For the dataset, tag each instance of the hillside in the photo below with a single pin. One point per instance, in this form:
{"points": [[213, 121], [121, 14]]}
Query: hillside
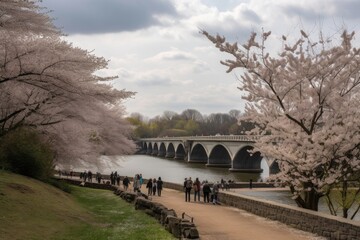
{"points": [[30, 209]]}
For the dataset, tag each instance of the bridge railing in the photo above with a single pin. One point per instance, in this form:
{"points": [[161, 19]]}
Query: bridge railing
{"points": [[237, 138]]}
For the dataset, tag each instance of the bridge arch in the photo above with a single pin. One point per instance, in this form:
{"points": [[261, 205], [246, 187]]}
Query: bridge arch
{"points": [[274, 167], [145, 147], [170, 152], [219, 157], [149, 149], [246, 162], [155, 150], [162, 150], [180, 152], [198, 154]]}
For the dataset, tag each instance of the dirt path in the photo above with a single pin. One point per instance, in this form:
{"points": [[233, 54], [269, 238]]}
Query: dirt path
{"points": [[216, 222]]}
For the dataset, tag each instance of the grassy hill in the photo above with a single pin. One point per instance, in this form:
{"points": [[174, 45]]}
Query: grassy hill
{"points": [[30, 209]]}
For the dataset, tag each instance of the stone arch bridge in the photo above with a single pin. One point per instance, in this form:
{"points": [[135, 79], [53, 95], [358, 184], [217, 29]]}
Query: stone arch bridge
{"points": [[228, 151]]}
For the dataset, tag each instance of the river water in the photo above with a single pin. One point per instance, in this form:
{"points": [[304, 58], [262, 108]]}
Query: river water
{"points": [[171, 170], [176, 170]]}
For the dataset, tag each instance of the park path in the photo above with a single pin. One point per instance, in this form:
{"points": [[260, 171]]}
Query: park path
{"points": [[216, 222]]}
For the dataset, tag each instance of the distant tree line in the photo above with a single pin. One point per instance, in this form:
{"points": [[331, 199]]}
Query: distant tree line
{"points": [[188, 123]]}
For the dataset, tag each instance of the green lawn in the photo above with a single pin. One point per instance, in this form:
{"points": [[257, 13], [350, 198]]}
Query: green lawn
{"points": [[30, 209]]}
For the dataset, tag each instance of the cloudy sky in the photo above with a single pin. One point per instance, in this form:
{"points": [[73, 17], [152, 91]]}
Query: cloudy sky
{"points": [[155, 48]]}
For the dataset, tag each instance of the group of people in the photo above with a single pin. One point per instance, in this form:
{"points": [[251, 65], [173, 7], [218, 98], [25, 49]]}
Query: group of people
{"points": [[86, 176], [154, 186], [210, 191], [115, 178]]}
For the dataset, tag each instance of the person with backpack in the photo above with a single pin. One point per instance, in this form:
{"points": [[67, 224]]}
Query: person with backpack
{"points": [[188, 187]]}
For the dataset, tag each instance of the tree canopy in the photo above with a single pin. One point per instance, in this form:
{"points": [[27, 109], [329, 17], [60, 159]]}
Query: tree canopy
{"points": [[50, 85], [189, 122], [305, 101]]}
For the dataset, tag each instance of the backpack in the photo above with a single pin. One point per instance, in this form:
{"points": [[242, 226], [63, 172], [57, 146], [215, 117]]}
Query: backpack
{"points": [[188, 184]]}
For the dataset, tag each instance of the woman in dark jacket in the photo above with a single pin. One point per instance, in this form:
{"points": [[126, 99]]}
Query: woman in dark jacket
{"points": [[149, 186]]}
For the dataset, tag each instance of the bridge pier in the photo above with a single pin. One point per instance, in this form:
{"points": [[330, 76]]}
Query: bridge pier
{"points": [[196, 161], [257, 170], [170, 155], [179, 157], [218, 165]]}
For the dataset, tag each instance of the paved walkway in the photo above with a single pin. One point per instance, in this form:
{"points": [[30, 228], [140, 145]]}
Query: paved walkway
{"points": [[216, 222]]}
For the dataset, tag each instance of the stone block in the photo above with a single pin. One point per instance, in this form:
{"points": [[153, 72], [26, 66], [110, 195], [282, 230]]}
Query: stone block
{"points": [[191, 233], [166, 213]]}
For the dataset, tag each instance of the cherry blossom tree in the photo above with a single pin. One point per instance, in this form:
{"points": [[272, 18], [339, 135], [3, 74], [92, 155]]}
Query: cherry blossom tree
{"points": [[305, 104], [48, 84]]}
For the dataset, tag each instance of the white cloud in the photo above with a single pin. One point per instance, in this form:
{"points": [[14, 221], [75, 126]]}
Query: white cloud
{"points": [[173, 67], [174, 54]]}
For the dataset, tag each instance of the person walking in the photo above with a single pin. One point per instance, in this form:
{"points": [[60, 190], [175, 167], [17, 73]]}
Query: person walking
{"points": [[149, 186], [188, 187], [197, 186], [206, 192], [159, 185]]}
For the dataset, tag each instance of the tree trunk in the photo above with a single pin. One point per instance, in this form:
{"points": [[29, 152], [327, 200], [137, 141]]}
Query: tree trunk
{"points": [[344, 192], [310, 200]]}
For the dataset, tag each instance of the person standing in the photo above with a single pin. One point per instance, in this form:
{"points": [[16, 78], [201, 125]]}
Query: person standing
{"points": [[126, 182], [136, 183], [112, 178], [159, 185], [149, 187], [215, 192], [141, 180], [206, 192], [154, 186], [188, 187], [118, 180], [197, 189]]}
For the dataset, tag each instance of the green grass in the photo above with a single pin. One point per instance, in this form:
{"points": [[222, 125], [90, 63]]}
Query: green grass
{"points": [[30, 209]]}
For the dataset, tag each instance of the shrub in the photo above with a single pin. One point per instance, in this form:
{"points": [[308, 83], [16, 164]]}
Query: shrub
{"points": [[59, 184], [23, 151]]}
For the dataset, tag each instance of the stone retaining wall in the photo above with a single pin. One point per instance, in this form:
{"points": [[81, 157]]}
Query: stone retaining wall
{"points": [[321, 224]]}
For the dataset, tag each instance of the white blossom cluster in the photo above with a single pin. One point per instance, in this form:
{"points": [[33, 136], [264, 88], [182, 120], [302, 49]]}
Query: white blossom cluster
{"points": [[306, 103], [48, 84]]}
